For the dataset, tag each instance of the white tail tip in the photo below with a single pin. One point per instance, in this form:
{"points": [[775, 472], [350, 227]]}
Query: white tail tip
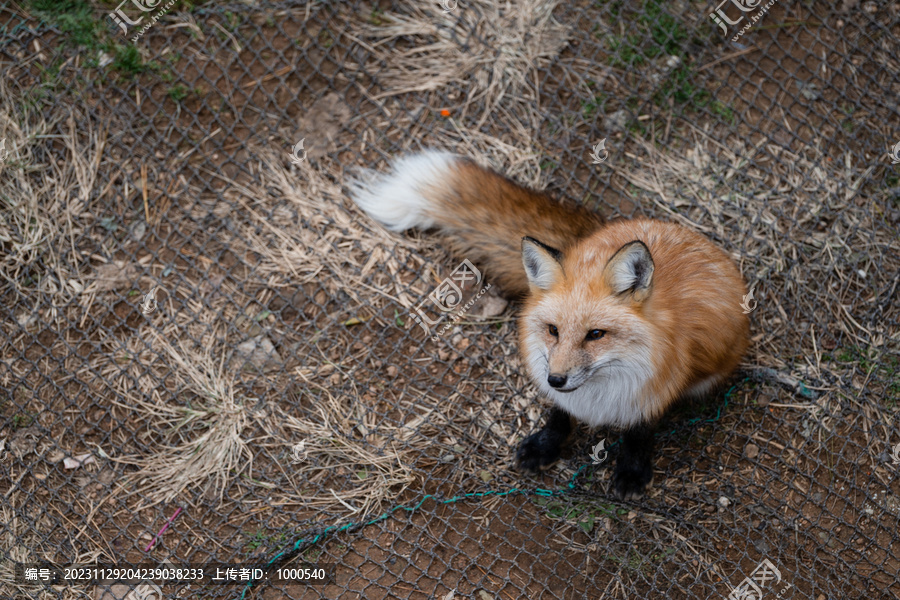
{"points": [[401, 199]]}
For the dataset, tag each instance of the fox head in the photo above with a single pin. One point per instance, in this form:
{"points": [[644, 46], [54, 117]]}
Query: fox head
{"points": [[584, 317]]}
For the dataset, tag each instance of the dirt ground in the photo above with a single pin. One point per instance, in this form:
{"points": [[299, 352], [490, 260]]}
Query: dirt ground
{"points": [[279, 402]]}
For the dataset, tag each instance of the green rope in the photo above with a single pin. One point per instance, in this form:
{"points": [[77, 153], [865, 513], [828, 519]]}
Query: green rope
{"points": [[286, 554]]}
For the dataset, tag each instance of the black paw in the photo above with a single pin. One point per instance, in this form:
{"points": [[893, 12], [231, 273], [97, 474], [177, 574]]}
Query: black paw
{"points": [[538, 451], [629, 483]]}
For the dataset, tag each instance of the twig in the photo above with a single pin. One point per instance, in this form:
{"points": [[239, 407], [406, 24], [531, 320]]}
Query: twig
{"points": [[162, 531], [144, 188], [726, 57], [767, 375]]}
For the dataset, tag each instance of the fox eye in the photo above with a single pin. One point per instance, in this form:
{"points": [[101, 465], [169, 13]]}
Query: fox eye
{"points": [[553, 330], [594, 334]]}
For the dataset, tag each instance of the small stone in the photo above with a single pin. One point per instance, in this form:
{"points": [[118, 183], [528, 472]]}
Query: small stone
{"points": [[26, 320], [259, 352], [392, 371], [138, 231], [618, 120], [810, 91], [724, 502], [751, 451]]}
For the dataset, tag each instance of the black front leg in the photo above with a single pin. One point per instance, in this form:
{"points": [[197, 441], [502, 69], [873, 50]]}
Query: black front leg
{"points": [[540, 450], [634, 468]]}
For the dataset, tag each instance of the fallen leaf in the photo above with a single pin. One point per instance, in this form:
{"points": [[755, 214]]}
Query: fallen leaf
{"points": [[78, 461], [115, 275]]}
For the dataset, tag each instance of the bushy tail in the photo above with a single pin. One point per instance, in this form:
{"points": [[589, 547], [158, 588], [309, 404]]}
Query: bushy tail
{"points": [[483, 215]]}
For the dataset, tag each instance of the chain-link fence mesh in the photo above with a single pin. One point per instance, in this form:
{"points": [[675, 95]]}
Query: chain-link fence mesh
{"points": [[277, 404]]}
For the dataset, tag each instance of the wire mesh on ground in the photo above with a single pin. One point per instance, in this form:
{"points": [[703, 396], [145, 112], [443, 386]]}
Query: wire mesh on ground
{"points": [[278, 399]]}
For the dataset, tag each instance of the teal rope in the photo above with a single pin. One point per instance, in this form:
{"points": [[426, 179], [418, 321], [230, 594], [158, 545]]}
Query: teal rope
{"points": [[537, 492]]}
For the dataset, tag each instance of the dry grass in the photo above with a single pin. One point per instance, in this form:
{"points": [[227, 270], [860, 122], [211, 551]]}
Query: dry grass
{"points": [[45, 203], [333, 245], [26, 544], [205, 443], [379, 471], [492, 73]]}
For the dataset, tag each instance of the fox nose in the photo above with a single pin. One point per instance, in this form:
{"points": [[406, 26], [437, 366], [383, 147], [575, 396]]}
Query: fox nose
{"points": [[556, 381]]}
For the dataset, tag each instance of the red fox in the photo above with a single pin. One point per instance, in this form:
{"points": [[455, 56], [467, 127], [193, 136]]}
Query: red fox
{"points": [[620, 319]]}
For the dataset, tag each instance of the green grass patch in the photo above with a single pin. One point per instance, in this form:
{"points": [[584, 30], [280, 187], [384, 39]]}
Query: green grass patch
{"points": [[656, 34], [75, 18], [22, 420], [129, 62], [178, 92], [263, 538], [582, 514], [876, 365]]}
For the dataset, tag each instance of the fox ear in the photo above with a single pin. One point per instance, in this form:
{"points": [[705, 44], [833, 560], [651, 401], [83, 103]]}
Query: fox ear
{"points": [[542, 263], [630, 270]]}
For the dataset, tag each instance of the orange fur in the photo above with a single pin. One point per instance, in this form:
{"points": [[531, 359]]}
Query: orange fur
{"points": [[485, 217], [692, 315], [668, 300]]}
